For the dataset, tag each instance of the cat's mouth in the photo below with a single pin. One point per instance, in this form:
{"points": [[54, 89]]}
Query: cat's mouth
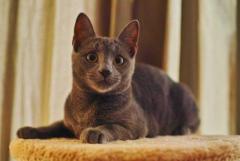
{"points": [[104, 85]]}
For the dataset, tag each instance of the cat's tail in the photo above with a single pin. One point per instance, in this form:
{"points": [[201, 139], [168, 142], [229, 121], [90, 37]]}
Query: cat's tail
{"points": [[194, 121], [191, 110], [187, 110]]}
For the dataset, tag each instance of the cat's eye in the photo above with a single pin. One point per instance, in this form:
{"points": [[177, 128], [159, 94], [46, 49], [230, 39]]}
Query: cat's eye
{"points": [[119, 60], [92, 57]]}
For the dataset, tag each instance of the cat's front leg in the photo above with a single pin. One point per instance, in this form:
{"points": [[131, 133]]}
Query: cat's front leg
{"points": [[28, 132], [105, 133], [93, 136], [56, 129]]}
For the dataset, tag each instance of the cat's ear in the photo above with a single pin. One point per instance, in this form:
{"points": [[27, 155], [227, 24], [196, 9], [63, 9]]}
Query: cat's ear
{"points": [[83, 30], [129, 35]]}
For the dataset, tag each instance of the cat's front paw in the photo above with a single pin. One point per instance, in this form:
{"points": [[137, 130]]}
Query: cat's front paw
{"points": [[93, 136], [28, 133]]}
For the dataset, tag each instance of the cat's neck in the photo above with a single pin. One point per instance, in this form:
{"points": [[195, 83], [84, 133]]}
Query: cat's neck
{"points": [[85, 97]]}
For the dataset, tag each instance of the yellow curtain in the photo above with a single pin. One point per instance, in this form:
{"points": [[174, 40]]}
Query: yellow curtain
{"points": [[193, 41], [217, 44]]}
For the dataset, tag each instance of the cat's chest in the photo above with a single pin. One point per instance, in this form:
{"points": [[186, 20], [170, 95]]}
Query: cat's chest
{"points": [[85, 117], [95, 112], [90, 114]]}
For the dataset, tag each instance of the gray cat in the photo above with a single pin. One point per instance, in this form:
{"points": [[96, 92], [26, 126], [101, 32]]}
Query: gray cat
{"points": [[112, 98]]}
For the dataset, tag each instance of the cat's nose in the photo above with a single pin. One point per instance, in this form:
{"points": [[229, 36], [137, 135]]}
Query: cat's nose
{"points": [[105, 73]]}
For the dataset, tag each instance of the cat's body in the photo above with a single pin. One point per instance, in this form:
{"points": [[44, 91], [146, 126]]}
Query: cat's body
{"points": [[112, 98], [169, 107]]}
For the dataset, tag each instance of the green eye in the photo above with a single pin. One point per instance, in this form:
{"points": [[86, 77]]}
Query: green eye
{"points": [[119, 60], [92, 57]]}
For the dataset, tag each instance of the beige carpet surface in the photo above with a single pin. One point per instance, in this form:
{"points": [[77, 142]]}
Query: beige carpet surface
{"points": [[167, 148]]}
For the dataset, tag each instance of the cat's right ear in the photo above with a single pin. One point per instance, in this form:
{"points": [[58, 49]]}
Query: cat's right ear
{"points": [[83, 30]]}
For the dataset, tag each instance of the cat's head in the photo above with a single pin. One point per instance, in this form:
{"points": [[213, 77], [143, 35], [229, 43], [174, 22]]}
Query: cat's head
{"points": [[103, 64]]}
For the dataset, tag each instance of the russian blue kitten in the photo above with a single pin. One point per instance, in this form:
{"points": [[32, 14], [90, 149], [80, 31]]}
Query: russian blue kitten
{"points": [[113, 98]]}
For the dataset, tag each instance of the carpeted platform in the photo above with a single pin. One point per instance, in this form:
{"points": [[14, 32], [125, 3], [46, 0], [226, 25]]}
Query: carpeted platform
{"points": [[167, 148]]}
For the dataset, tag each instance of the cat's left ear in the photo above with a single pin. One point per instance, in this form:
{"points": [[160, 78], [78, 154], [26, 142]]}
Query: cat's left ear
{"points": [[83, 30], [130, 35]]}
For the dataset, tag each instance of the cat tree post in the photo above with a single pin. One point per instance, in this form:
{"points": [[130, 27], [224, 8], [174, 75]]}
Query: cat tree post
{"points": [[167, 148]]}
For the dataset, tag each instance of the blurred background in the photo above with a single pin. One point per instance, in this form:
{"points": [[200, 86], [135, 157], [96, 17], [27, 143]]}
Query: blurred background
{"points": [[196, 42]]}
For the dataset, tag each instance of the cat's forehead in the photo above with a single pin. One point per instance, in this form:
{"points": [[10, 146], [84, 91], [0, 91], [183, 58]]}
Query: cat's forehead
{"points": [[106, 44], [101, 44]]}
